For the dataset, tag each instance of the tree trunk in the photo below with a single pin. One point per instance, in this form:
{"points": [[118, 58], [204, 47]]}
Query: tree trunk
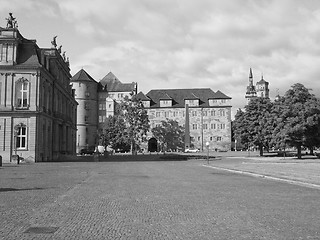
{"points": [[261, 150], [311, 150], [299, 151]]}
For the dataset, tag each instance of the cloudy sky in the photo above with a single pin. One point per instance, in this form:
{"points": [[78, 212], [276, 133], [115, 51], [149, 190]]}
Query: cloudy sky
{"points": [[182, 43]]}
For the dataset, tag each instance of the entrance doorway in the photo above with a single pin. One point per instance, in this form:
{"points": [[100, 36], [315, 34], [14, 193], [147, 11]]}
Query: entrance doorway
{"points": [[152, 145]]}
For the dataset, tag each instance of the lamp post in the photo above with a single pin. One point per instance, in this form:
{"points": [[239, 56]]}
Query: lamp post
{"points": [[207, 145]]}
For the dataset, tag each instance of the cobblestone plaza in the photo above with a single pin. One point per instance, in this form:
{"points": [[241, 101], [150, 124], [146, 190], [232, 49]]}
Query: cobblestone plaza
{"points": [[149, 200]]}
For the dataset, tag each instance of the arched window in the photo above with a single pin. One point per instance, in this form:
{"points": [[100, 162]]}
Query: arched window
{"points": [[21, 136], [22, 93]]}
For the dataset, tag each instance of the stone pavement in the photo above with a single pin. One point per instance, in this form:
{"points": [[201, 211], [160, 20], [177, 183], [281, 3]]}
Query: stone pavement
{"points": [[149, 200]]}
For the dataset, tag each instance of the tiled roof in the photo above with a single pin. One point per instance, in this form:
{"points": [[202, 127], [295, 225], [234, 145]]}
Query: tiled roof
{"points": [[141, 97], [220, 95], [28, 53], [179, 95], [82, 75], [165, 96], [112, 84]]}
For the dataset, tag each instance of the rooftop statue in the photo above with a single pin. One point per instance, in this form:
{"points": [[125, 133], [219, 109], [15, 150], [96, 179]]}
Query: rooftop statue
{"points": [[54, 42], [11, 21]]}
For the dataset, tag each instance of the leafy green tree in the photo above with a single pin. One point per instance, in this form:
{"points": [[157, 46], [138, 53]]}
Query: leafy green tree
{"points": [[299, 118], [255, 125], [170, 135], [112, 133], [136, 121]]}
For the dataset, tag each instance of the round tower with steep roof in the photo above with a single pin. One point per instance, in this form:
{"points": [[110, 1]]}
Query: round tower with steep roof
{"points": [[85, 88]]}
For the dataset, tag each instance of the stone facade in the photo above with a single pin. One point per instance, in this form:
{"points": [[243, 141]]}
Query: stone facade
{"points": [[97, 101], [37, 107], [209, 114]]}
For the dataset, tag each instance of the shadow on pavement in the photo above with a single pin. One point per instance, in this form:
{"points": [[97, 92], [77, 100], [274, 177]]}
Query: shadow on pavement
{"points": [[18, 189]]}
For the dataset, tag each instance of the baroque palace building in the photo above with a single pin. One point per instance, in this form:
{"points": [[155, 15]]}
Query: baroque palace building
{"points": [[209, 118], [37, 105]]}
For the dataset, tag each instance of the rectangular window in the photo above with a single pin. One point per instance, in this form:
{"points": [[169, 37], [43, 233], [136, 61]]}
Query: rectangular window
{"points": [[199, 138], [219, 139], [211, 138], [157, 114], [166, 114], [213, 113], [100, 118], [22, 94], [213, 126], [87, 94], [194, 113], [21, 137], [204, 113], [194, 126], [3, 52], [205, 126]]}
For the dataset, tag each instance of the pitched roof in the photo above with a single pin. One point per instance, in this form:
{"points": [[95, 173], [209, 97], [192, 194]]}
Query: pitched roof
{"points": [[165, 96], [180, 95], [141, 96], [220, 95], [82, 75], [28, 53], [112, 84]]}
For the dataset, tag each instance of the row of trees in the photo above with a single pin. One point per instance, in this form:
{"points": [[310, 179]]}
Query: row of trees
{"points": [[128, 127], [292, 120]]}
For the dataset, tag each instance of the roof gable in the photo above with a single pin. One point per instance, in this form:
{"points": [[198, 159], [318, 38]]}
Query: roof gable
{"points": [[220, 95], [82, 75], [112, 84]]}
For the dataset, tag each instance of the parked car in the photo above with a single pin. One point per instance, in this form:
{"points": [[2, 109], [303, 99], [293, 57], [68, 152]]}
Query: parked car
{"points": [[86, 151], [188, 150]]}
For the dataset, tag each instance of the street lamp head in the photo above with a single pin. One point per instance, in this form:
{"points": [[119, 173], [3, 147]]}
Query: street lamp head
{"points": [[207, 144]]}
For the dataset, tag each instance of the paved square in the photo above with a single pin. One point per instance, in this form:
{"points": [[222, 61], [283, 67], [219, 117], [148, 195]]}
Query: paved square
{"points": [[150, 200]]}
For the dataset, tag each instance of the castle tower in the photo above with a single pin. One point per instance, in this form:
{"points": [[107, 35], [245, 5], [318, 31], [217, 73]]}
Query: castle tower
{"points": [[262, 88], [251, 90], [86, 88]]}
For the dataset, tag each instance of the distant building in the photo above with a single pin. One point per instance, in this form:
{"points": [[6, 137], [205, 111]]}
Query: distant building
{"points": [[209, 115], [97, 101], [261, 89], [37, 105]]}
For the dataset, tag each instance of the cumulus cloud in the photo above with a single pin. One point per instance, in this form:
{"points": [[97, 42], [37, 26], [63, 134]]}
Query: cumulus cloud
{"points": [[180, 44]]}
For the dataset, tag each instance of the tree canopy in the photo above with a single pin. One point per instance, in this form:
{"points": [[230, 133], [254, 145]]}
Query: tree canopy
{"points": [[170, 135], [292, 120], [128, 127]]}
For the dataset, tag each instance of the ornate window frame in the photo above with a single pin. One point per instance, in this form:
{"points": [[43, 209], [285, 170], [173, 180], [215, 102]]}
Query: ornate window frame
{"points": [[21, 136], [22, 93]]}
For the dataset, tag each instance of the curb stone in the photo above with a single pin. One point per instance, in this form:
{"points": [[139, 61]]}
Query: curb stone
{"points": [[290, 181]]}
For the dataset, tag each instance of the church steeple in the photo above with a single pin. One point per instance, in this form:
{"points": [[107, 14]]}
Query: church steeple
{"points": [[251, 90]]}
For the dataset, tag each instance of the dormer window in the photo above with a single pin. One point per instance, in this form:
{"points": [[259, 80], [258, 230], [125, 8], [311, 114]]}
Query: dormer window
{"points": [[192, 102], [146, 103], [166, 103]]}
